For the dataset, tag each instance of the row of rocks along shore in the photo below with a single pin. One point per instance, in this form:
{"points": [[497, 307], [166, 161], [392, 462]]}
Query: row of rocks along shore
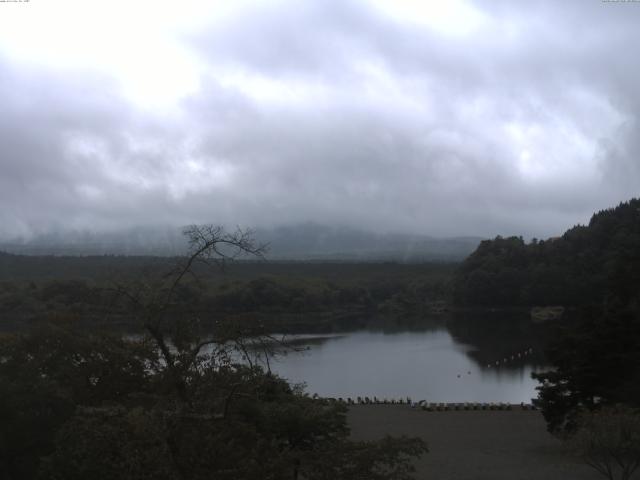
{"points": [[429, 406]]}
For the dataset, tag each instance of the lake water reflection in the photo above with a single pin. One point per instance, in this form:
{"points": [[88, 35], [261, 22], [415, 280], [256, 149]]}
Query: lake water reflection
{"points": [[433, 364]]}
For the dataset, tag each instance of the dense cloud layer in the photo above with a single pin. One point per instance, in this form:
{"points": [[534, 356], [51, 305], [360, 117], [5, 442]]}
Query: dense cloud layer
{"points": [[492, 118]]}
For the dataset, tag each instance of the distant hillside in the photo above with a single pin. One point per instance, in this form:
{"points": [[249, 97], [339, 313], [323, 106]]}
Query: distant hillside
{"points": [[583, 266], [299, 242], [311, 241], [154, 241]]}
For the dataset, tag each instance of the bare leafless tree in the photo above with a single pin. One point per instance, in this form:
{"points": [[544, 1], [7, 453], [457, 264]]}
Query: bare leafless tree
{"points": [[179, 338]]}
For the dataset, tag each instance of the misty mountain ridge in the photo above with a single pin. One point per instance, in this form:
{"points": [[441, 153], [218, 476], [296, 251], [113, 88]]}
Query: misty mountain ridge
{"points": [[307, 241]]}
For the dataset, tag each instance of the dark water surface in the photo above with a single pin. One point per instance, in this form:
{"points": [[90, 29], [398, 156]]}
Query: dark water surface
{"points": [[452, 361]]}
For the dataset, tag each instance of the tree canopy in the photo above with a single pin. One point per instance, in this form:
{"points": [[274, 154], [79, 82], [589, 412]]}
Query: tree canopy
{"points": [[583, 266], [596, 270], [596, 363], [175, 403]]}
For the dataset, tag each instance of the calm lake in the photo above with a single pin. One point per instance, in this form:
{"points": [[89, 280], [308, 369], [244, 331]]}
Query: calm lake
{"points": [[452, 361]]}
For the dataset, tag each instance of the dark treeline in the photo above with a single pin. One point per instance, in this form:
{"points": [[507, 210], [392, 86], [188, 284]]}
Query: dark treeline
{"points": [[47, 267], [107, 267], [584, 265], [286, 296], [177, 401], [596, 270], [76, 402]]}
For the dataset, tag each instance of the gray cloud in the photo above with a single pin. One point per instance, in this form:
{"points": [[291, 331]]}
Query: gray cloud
{"points": [[335, 113]]}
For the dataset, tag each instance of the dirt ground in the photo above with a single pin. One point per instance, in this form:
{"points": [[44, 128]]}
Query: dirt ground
{"points": [[474, 445]]}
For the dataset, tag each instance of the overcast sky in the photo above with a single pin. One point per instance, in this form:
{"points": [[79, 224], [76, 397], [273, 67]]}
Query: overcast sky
{"points": [[441, 117]]}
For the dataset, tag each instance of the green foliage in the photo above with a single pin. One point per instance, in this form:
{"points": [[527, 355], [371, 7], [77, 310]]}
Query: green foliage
{"points": [[110, 443], [595, 268], [171, 403], [31, 412], [46, 374], [596, 364], [583, 266], [76, 406], [286, 297]]}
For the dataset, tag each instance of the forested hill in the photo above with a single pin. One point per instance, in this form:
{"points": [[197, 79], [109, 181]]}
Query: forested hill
{"points": [[301, 242], [583, 266]]}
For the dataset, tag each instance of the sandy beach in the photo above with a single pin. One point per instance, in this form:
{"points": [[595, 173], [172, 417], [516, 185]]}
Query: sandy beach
{"points": [[474, 445]]}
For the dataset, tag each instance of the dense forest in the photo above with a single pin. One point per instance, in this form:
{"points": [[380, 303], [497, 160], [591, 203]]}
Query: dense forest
{"points": [[285, 296], [79, 400], [585, 265], [185, 399], [596, 270]]}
